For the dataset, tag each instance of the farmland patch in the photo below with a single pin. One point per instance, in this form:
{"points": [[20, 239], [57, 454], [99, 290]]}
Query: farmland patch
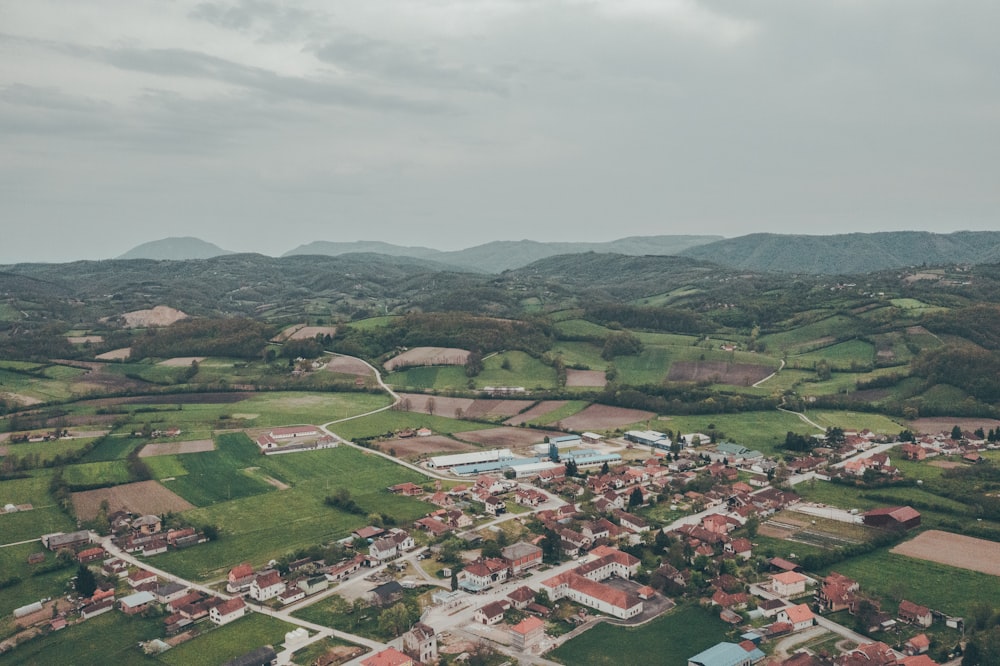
{"points": [[173, 448], [142, 497], [585, 378], [428, 356], [508, 437], [604, 417], [348, 366], [718, 372], [431, 404], [953, 550], [538, 411], [415, 446], [181, 361]]}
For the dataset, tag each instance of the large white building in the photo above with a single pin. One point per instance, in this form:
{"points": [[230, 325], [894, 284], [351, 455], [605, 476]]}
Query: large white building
{"points": [[492, 456]]}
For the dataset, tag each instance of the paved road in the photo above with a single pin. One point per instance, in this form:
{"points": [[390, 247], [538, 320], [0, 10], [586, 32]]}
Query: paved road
{"points": [[880, 448]]}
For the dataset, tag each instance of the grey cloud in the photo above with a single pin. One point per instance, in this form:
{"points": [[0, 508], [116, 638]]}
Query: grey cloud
{"points": [[191, 64], [268, 20], [407, 65]]}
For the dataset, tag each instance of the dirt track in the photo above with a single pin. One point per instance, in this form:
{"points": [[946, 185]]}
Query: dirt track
{"points": [[954, 550]]}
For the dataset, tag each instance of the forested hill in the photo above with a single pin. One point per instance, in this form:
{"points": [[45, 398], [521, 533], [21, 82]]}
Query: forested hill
{"points": [[845, 254], [176, 249]]}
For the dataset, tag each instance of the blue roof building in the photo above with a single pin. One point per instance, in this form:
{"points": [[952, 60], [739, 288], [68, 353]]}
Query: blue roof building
{"points": [[727, 654]]}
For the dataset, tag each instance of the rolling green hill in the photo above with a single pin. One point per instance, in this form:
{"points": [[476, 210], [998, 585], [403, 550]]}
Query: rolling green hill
{"points": [[848, 254]]}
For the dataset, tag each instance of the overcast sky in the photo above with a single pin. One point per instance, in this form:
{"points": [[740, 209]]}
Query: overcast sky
{"points": [[260, 125]]}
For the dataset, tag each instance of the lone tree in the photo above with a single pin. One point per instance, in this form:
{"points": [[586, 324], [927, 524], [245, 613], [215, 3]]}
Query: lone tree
{"points": [[635, 499], [86, 583]]}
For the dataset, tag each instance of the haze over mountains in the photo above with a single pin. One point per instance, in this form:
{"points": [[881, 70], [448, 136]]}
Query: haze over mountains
{"points": [[835, 254]]}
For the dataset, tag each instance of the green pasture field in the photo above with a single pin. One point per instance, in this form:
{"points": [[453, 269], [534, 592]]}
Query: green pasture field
{"points": [[6, 364], [942, 397], [25, 525], [85, 474], [841, 355], [33, 490], [216, 476], [47, 450], [764, 431], [44, 389], [390, 420], [373, 322], [230, 641], [14, 562], [787, 379], [855, 421], [669, 639], [580, 353], [265, 526], [576, 328], [810, 335], [113, 448], [524, 371], [257, 410], [428, 377], [668, 297], [63, 372], [840, 382], [106, 639], [943, 588], [569, 409], [649, 367], [916, 306], [9, 313], [164, 467], [669, 339], [46, 517]]}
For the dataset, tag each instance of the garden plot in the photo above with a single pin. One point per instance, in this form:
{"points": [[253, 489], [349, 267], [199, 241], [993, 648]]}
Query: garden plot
{"points": [[142, 498]]}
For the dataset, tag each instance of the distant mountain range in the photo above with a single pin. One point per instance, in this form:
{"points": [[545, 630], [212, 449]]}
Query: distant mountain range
{"points": [[493, 257], [842, 254]]}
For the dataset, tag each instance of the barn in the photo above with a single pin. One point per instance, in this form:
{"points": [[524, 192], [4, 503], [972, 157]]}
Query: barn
{"points": [[893, 517]]}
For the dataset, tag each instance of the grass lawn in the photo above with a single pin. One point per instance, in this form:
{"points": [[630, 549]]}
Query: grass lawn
{"points": [[428, 377], [107, 639], [524, 371], [25, 525], [268, 525], [230, 641], [669, 639], [953, 591]]}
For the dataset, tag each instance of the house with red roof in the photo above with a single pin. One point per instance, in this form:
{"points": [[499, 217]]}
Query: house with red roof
{"points": [[388, 657], [800, 617], [788, 584], [267, 585], [228, 611], [527, 633]]}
